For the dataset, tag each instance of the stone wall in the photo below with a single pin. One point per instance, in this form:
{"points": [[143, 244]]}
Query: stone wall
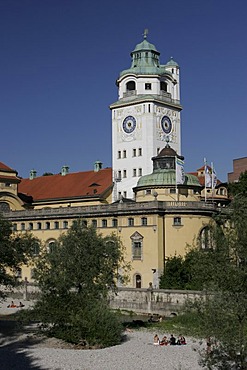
{"points": [[144, 301], [152, 301]]}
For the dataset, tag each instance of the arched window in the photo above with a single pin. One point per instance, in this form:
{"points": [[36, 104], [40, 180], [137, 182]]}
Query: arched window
{"points": [[138, 281], [35, 249], [131, 85], [163, 86], [51, 246], [206, 240], [4, 207]]}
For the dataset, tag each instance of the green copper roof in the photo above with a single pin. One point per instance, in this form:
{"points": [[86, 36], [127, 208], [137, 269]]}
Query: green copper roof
{"points": [[172, 62], [145, 45], [166, 178], [145, 61]]}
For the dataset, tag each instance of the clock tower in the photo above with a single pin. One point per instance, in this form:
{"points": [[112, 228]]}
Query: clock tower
{"points": [[145, 116]]}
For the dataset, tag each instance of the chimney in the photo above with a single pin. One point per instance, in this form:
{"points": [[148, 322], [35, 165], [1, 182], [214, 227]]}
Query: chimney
{"points": [[65, 170], [32, 174], [97, 166]]}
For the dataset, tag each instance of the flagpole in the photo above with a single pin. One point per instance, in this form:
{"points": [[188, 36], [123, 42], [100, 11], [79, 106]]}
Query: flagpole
{"points": [[205, 187], [212, 179]]}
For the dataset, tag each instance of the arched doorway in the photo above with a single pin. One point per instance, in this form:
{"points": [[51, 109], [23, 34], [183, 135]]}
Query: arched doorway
{"points": [[138, 281]]}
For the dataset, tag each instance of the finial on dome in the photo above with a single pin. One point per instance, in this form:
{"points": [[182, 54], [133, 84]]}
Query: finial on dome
{"points": [[145, 33]]}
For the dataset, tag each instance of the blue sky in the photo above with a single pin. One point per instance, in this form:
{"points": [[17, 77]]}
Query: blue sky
{"points": [[59, 60]]}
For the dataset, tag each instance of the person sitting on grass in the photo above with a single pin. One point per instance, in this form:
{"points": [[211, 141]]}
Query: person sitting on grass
{"points": [[156, 340]]}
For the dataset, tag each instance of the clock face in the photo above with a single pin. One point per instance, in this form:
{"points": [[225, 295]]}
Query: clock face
{"points": [[129, 124], [166, 124]]}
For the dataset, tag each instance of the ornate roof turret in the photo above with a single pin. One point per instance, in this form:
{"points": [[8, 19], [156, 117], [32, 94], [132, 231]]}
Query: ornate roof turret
{"points": [[145, 60], [164, 171], [172, 63]]}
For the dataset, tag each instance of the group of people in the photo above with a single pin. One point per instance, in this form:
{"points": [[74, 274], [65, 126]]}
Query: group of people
{"points": [[172, 341], [13, 305]]}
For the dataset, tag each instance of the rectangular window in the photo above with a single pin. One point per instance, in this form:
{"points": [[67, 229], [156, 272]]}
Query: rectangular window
{"points": [[39, 226], [130, 221], [119, 175], [134, 152], [173, 191], [134, 172], [94, 223], [119, 194], [124, 154], [144, 221], [56, 225], [140, 152], [140, 172], [22, 226], [14, 227], [137, 250], [65, 224], [119, 154], [125, 194], [48, 225], [104, 223], [124, 173], [148, 191], [177, 221], [148, 86], [114, 222], [30, 226]]}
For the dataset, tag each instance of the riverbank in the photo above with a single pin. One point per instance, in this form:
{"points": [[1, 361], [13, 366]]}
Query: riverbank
{"points": [[25, 351]]}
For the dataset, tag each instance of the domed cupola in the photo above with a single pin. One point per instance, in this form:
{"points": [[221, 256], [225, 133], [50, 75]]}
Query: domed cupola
{"points": [[164, 177], [145, 59], [166, 159]]}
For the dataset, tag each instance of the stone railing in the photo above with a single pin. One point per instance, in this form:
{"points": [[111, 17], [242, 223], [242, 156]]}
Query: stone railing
{"points": [[117, 209]]}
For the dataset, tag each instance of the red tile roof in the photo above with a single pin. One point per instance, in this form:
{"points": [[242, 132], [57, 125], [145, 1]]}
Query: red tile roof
{"points": [[5, 168], [78, 184]]}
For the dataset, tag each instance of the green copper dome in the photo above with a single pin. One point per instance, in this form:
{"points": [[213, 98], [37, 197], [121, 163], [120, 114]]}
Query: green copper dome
{"points": [[172, 63], [144, 45], [165, 178], [145, 60]]}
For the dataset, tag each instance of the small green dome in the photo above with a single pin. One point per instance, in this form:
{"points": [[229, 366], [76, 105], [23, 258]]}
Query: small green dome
{"points": [[165, 178], [172, 62]]}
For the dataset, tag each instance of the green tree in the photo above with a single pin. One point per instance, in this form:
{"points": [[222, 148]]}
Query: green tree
{"points": [[176, 275], [75, 279], [239, 187], [224, 311], [15, 250]]}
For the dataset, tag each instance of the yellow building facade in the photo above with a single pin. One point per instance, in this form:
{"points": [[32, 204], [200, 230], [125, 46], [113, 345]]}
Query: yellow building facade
{"points": [[139, 198], [162, 221]]}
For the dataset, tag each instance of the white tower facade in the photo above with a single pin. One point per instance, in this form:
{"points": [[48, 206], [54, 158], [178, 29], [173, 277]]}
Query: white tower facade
{"points": [[145, 116]]}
